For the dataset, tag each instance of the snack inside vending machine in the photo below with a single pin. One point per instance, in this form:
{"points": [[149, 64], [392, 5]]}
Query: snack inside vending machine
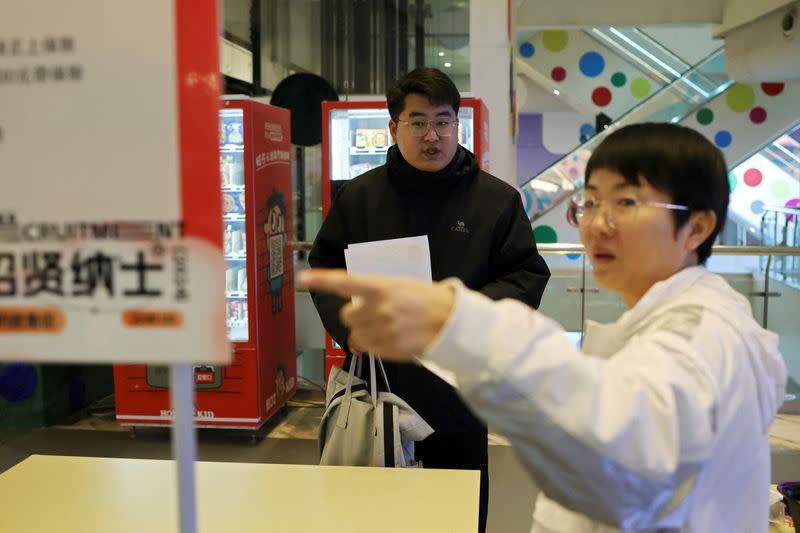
{"points": [[355, 139], [256, 195]]}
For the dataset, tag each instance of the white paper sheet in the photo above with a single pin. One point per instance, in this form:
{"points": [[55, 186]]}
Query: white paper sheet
{"points": [[409, 256]]}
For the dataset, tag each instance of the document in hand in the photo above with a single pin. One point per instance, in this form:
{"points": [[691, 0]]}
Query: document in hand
{"points": [[409, 256]]}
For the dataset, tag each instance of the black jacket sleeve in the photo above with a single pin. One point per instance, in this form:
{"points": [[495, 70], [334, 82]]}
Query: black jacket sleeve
{"points": [[519, 271], [328, 252]]}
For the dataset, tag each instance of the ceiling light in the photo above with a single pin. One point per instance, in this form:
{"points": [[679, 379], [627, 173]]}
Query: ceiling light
{"points": [[556, 92], [441, 54], [448, 64]]}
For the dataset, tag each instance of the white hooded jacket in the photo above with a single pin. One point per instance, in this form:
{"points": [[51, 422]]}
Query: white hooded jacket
{"points": [[660, 423]]}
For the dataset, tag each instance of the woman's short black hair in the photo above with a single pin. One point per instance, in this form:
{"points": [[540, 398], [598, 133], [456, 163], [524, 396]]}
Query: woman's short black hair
{"points": [[431, 83], [675, 160]]}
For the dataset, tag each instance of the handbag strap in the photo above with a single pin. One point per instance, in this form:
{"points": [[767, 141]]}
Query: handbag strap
{"points": [[344, 407], [358, 360], [373, 385], [373, 359]]}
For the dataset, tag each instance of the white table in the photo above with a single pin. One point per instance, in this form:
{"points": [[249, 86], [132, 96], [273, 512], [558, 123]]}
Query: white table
{"points": [[85, 494]]}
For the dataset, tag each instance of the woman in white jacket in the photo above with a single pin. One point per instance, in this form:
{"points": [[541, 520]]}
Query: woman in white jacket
{"points": [[660, 422]]}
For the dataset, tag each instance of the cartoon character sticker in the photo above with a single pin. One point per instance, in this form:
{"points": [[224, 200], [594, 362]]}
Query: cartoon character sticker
{"points": [[277, 240]]}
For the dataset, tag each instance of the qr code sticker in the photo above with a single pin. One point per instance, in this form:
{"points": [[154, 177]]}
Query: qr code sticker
{"points": [[276, 256]]}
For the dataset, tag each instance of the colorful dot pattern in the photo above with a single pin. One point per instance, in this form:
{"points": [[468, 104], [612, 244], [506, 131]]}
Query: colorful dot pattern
{"points": [[570, 57], [723, 138], [772, 89], [601, 97], [555, 40], [740, 97], [705, 116], [758, 115], [779, 189], [794, 202], [640, 88], [753, 177], [614, 84], [527, 50], [592, 64], [763, 187], [585, 133], [544, 234]]}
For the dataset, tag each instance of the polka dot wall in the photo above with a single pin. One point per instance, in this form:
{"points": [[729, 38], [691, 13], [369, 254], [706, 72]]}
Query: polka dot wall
{"points": [[741, 119], [758, 183], [586, 70], [747, 116], [553, 227]]}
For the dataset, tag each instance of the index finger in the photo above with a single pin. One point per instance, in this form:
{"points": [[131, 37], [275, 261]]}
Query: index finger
{"points": [[339, 282]]}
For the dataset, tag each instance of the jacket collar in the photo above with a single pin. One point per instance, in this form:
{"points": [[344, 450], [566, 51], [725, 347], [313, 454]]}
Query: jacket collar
{"points": [[606, 339], [408, 178]]}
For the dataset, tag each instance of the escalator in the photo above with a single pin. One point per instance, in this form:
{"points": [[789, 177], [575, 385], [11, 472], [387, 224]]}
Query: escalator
{"points": [[739, 118]]}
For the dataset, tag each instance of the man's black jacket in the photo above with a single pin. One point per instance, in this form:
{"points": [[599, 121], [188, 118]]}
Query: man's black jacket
{"points": [[477, 230]]}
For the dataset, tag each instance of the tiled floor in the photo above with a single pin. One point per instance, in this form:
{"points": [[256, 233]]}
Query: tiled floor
{"points": [[291, 439]]}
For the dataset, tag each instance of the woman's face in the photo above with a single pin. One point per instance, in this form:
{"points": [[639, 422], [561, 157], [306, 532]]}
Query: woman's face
{"points": [[631, 244]]}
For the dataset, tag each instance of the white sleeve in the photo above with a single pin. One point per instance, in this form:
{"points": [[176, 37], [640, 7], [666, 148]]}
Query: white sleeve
{"points": [[622, 440]]}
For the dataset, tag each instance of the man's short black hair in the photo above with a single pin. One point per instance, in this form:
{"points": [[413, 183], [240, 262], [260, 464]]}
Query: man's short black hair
{"points": [[431, 83], [675, 160]]}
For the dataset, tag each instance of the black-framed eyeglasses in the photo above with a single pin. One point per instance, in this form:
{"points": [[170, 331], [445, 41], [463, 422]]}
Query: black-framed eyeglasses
{"points": [[619, 211], [419, 128]]}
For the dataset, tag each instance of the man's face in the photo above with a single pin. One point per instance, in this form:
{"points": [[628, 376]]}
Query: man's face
{"points": [[638, 247], [430, 152]]}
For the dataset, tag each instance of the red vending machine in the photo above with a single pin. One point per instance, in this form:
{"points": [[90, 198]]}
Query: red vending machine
{"points": [[256, 194], [355, 138]]}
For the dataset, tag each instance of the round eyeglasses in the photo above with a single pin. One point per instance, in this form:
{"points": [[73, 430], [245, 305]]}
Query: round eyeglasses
{"points": [[582, 210], [419, 128]]}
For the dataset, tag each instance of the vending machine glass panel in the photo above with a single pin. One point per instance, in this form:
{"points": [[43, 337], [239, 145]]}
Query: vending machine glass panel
{"points": [[234, 244]]}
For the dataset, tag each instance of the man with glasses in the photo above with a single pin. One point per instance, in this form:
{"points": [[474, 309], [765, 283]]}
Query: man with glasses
{"points": [[660, 422], [477, 230]]}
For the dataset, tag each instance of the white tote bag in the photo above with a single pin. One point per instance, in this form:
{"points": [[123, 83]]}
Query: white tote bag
{"points": [[363, 427]]}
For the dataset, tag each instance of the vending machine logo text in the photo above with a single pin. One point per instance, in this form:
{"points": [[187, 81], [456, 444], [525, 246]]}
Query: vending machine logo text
{"points": [[273, 131]]}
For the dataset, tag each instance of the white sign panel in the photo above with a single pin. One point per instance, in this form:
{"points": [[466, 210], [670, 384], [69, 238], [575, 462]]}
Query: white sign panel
{"points": [[110, 217]]}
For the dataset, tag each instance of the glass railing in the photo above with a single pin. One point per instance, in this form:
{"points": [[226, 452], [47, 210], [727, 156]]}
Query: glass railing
{"points": [[780, 226], [760, 273], [757, 272], [670, 104]]}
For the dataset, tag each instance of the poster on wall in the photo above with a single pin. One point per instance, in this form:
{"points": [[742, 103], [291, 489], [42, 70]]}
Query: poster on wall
{"points": [[110, 215]]}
